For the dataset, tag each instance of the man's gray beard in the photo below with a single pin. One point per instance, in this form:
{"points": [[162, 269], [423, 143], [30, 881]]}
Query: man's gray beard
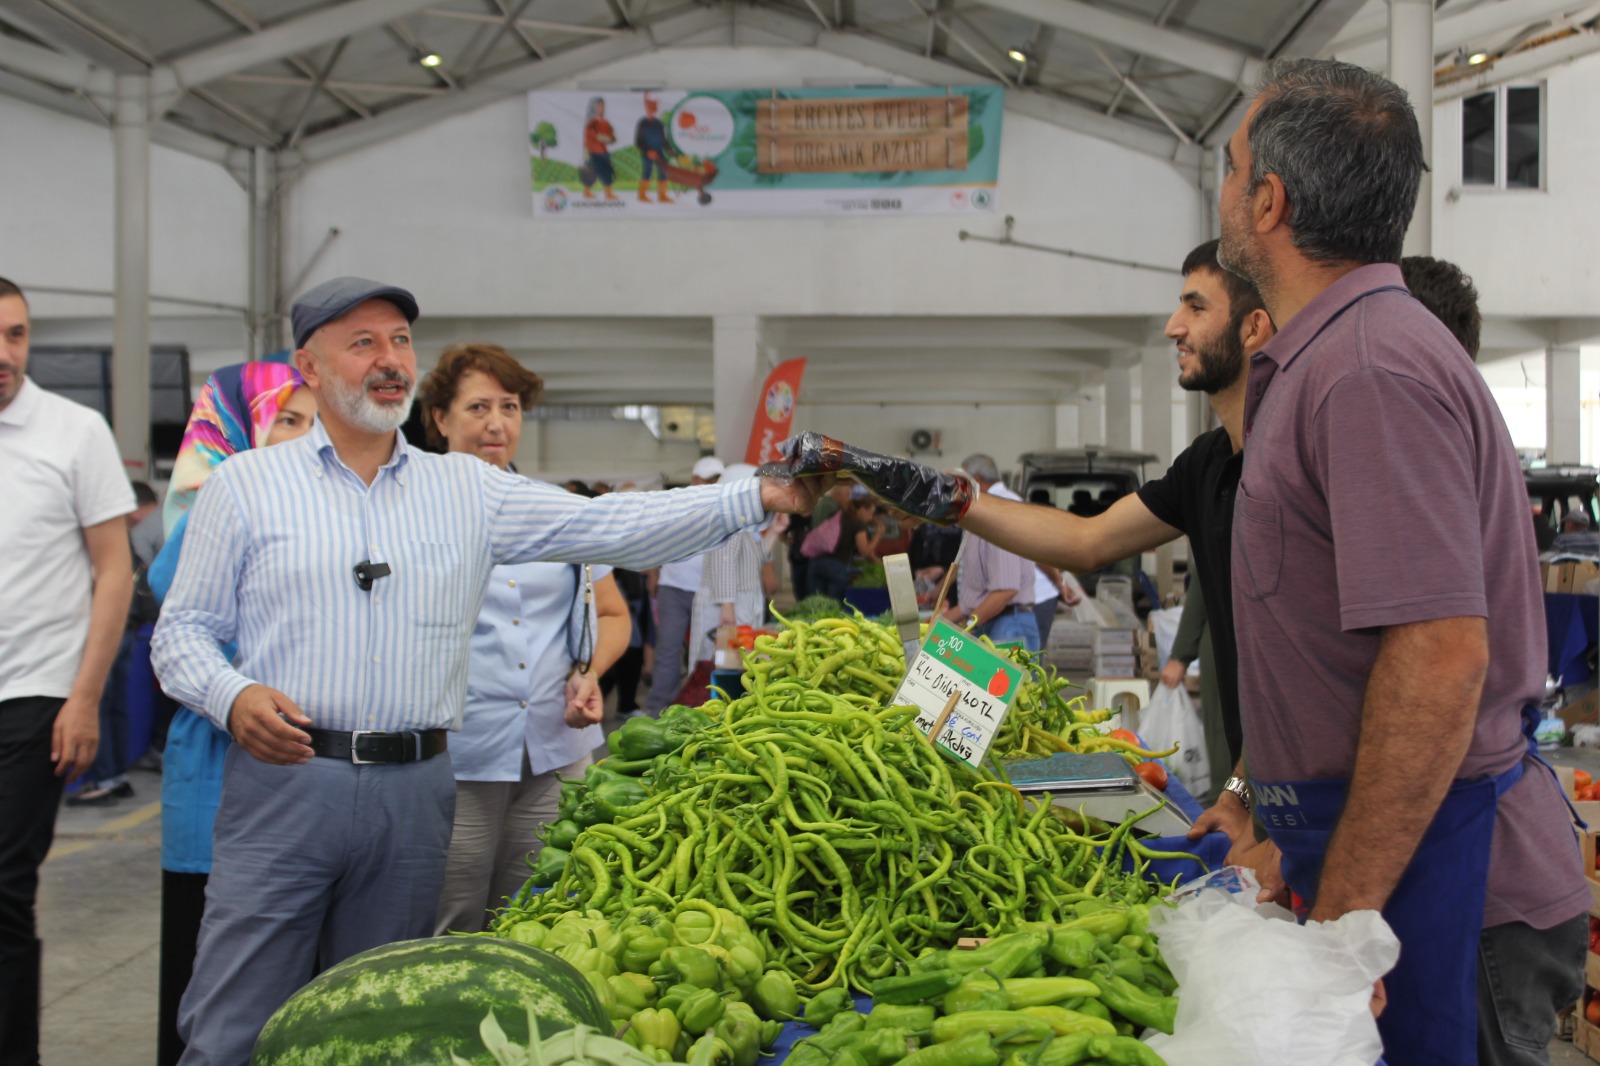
{"points": [[363, 412]]}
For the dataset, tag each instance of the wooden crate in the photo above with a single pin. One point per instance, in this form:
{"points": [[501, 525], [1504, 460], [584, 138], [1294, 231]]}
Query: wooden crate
{"points": [[1586, 1037]]}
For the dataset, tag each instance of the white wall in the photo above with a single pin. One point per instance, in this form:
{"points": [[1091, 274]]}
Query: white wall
{"points": [[448, 212], [1529, 252], [56, 217]]}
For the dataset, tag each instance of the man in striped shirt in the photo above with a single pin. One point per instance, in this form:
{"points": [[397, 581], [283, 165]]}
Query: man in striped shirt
{"points": [[349, 568]]}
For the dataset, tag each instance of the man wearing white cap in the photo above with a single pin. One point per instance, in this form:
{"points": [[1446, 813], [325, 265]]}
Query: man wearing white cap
{"points": [[674, 587], [350, 568]]}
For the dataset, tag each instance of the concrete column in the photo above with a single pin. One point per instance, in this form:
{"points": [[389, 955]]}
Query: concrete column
{"points": [[1411, 68], [1067, 420], [130, 333], [1157, 373], [1563, 406], [264, 325], [1091, 415], [738, 366], [1119, 407], [1197, 416]]}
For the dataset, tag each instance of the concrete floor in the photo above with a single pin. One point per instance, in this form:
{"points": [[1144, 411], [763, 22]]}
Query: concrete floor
{"points": [[99, 916]]}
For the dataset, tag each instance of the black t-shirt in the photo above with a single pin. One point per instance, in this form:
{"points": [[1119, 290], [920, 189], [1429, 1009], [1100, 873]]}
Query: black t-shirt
{"points": [[1196, 495]]}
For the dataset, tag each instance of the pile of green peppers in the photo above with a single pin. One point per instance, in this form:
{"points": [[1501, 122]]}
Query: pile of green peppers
{"points": [[611, 786], [1049, 994], [686, 986]]}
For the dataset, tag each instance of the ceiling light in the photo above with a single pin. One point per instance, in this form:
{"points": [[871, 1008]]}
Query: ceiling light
{"points": [[1478, 57], [1018, 55], [430, 59]]}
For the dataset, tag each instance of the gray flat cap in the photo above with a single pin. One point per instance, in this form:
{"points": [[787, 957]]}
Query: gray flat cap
{"points": [[331, 299]]}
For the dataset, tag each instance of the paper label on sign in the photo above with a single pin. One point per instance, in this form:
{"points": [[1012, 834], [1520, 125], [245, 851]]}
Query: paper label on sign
{"points": [[956, 663]]}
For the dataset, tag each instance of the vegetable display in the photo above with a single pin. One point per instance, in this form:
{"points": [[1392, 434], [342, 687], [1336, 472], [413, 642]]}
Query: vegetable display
{"points": [[843, 840]]}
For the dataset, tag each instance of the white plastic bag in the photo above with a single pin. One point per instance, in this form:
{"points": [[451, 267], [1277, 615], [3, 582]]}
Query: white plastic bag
{"points": [[1172, 718], [1258, 992], [1164, 623]]}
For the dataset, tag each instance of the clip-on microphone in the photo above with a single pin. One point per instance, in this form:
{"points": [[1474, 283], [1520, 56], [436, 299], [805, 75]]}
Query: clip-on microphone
{"points": [[368, 571]]}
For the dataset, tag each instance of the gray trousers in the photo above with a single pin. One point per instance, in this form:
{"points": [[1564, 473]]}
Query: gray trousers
{"points": [[1526, 975], [311, 864], [674, 608], [496, 833]]}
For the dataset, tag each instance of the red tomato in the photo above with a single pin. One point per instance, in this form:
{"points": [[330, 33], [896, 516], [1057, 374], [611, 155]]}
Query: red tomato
{"points": [[1591, 1013], [1582, 779], [1124, 734], [1154, 774]]}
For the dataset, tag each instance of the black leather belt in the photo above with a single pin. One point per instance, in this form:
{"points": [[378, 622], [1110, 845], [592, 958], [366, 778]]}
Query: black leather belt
{"points": [[367, 746]]}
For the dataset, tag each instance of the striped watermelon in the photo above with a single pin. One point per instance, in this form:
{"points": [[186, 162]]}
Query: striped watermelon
{"points": [[417, 1001]]}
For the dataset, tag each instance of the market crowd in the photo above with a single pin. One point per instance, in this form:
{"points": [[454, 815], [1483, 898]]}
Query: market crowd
{"points": [[383, 656]]}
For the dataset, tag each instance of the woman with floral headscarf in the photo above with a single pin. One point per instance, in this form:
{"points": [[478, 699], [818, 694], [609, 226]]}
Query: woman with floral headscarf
{"points": [[251, 405]]}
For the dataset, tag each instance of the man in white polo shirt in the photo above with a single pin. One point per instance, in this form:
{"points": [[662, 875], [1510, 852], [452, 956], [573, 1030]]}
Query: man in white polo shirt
{"points": [[66, 580], [675, 586]]}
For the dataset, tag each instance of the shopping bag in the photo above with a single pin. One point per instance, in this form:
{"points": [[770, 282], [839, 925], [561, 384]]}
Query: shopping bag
{"points": [[824, 538], [1172, 718], [1164, 624], [1258, 991]]}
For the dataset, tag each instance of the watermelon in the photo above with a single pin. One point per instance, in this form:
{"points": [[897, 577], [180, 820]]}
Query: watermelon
{"points": [[420, 1001]]}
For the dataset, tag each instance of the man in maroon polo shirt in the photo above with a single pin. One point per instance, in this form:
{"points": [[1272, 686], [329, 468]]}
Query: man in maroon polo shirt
{"points": [[1386, 591]]}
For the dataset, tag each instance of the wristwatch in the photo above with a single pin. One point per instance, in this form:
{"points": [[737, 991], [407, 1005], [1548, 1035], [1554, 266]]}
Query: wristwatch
{"points": [[1241, 788]]}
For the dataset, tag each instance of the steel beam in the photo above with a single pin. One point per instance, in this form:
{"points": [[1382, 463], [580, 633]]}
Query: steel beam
{"points": [[1052, 110], [53, 68], [1459, 30], [1136, 35], [1525, 64], [411, 117], [278, 42]]}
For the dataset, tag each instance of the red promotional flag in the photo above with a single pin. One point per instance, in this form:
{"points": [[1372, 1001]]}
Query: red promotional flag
{"points": [[774, 411]]}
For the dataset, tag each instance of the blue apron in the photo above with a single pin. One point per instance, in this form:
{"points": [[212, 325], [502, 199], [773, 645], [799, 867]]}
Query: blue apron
{"points": [[1436, 910]]}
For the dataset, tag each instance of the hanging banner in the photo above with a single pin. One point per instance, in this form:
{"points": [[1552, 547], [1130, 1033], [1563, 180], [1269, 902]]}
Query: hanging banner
{"points": [[774, 411], [707, 153]]}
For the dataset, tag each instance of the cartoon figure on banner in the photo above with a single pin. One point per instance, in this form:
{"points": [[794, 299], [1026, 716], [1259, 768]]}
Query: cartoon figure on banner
{"points": [[598, 137], [650, 137]]}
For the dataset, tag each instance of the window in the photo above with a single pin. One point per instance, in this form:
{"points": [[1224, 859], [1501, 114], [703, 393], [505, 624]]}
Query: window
{"points": [[83, 373], [1502, 138]]}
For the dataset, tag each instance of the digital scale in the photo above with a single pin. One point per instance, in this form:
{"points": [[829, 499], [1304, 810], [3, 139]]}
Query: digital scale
{"points": [[1100, 785]]}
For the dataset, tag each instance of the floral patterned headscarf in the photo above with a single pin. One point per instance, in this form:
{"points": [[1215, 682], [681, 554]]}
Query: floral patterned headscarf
{"points": [[234, 413]]}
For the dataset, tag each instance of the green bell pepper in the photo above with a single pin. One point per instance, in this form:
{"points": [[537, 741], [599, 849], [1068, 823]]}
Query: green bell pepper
{"points": [[674, 996], [691, 965], [917, 1019], [632, 991], [825, 1004], [639, 738], [700, 1011], [641, 947], [709, 1050], [740, 1029], [561, 834], [588, 960], [774, 996], [654, 1028], [547, 869], [529, 931], [692, 928]]}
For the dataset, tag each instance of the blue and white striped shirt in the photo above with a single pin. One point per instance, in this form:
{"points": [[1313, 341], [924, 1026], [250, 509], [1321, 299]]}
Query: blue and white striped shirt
{"points": [[274, 537]]}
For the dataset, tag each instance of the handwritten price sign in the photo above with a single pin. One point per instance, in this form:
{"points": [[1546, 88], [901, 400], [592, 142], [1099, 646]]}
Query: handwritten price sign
{"points": [[962, 689]]}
